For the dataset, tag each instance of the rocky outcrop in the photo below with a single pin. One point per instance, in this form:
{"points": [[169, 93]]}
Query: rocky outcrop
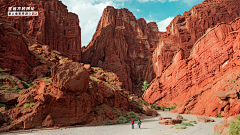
{"points": [[185, 30], [213, 66], [14, 53], [72, 99], [169, 121], [223, 127], [54, 25], [123, 45]]}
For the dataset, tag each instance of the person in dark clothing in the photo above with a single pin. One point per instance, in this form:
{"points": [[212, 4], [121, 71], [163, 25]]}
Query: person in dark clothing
{"points": [[139, 123]]}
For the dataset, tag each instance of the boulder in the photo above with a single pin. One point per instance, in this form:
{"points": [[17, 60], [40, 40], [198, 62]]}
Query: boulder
{"points": [[179, 117], [170, 121], [70, 76], [204, 119], [8, 97], [41, 70]]}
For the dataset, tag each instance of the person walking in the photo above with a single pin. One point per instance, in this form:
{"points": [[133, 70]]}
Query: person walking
{"points": [[139, 124], [132, 124]]}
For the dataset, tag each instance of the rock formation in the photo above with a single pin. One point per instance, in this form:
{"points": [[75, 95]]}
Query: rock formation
{"points": [[123, 45], [213, 66], [223, 127], [54, 25], [185, 30], [72, 98], [14, 53]]}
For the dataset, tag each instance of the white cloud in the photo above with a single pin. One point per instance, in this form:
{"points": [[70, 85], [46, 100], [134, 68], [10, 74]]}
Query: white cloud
{"points": [[164, 23], [89, 13], [138, 10]]}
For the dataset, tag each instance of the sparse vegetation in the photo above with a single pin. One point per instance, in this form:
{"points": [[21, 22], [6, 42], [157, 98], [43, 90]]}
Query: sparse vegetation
{"points": [[184, 119], [194, 122], [90, 86], [27, 105], [145, 84], [4, 105], [117, 111], [179, 127], [109, 123], [234, 128], [156, 107], [133, 116], [187, 124], [219, 116], [93, 79], [238, 117], [122, 120]]}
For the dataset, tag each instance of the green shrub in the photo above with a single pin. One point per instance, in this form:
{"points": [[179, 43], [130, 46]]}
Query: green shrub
{"points": [[122, 120], [146, 103], [117, 111], [187, 124], [109, 123], [133, 116], [145, 84], [219, 116], [93, 79], [156, 107], [238, 117], [184, 119], [90, 86], [194, 122], [26, 105], [172, 107], [4, 105], [179, 127], [234, 128]]}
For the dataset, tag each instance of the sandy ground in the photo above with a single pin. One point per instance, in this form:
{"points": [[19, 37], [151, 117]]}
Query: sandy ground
{"points": [[149, 127]]}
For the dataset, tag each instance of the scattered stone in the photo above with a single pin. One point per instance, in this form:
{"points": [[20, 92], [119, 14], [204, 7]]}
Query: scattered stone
{"points": [[204, 119]]}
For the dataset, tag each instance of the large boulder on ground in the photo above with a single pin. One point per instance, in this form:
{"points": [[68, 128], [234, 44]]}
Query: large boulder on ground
{"points": [[170, 121], [163, 118], [70, 76], [204, 119], [8, 97]]}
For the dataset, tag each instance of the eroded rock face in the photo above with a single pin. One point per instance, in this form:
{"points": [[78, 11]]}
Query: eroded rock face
{"points": [[54, 25], [213, 66], [223, 127], [14, 53], [124, 46], [67, 101], [70, 76], [185, 30]]}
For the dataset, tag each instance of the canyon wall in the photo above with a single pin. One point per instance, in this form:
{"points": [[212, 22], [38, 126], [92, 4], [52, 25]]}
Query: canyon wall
{"points": [[54, 25], [185, 30], [207, 82], [123, 45]]}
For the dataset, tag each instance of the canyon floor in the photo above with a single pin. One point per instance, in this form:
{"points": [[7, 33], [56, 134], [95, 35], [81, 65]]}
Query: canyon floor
{"points": [[149, 126]]}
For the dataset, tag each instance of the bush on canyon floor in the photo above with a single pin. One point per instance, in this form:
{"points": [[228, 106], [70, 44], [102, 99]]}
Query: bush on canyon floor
{"points": [[179, 127], [145, 84], [122, 120], [219, 116], [194, 122], [156, 107], [238, 117], [184, 119], [234, 128], [26, 105], [133, 116], [187, 124], [109, 123]]}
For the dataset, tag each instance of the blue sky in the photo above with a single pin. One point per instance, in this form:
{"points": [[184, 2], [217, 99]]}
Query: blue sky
{"points": [[160, 11]]}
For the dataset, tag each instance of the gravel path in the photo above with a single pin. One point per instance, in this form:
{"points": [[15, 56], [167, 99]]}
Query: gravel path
{"points": [[148, 127]]}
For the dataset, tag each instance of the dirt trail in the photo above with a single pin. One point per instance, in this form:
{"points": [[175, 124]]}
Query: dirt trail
{"points": [[149, 127]]}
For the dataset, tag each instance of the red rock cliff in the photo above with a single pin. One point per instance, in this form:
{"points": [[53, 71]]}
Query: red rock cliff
{"points": [[54, 25], [185, 30], [213, 66], [124, 46]]}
